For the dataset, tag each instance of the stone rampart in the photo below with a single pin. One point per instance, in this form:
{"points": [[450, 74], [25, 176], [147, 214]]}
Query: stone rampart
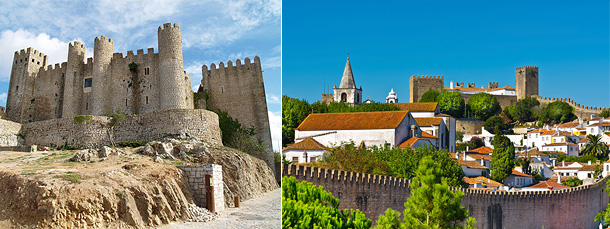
{"points": [[95, 132], [9, 133], [469, 126], [580, 111], [373, 194]]}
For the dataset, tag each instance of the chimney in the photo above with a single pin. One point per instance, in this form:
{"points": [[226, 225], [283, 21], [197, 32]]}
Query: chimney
{"points": [[482, 162], [451, 85], [466, 148], [558, 178], [589, 163], [413, 130], [563, 164], [464, 156]]}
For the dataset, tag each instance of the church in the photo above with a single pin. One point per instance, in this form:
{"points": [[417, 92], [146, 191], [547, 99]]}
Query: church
{"points": [[347, 91]]}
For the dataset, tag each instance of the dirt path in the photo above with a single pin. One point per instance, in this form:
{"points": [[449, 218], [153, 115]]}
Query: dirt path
{"points": [[261, 212]]}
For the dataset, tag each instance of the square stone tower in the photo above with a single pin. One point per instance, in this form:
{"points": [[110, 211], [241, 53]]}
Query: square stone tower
{"points": [[526, 81]]}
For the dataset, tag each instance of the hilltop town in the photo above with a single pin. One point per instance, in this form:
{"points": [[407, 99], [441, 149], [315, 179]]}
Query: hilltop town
{"points": [[558, 148]]}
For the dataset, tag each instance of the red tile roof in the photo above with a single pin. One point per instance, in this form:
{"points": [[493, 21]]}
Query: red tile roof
{"points": [[411, 141], [482, 150], [353, 121], [472, 164], [306, 144], [601, 124], [417, 107], [538, 130], [425, 134], [478, 156], [423, 122], [560, 144], [532, 152], [547, 184], [584, 140], [482, 180], [517, 173], [568, 125]]}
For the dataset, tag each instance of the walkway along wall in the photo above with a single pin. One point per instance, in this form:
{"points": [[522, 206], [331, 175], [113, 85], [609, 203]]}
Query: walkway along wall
{"points": [[373, 194]]}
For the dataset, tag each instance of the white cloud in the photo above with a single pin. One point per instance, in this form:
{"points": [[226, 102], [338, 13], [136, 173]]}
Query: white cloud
{"points": [[275, 124], [11, 41], [271, 98], [3, 98]]}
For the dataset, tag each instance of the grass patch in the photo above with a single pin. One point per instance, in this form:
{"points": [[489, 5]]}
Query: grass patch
{"points": [[72, 177], [51, 158], [82, 118]]}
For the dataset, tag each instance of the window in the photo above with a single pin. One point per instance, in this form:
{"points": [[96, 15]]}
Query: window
{"points": [[87, 106], [295, 160], [146, 99], [17, 88], [146, 70], [343, 97], [38, 62], [88, 82], [32, 60]]}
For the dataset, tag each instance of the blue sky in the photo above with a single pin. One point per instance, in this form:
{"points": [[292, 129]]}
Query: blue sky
{"points": [[466, 41], [212, 31]]}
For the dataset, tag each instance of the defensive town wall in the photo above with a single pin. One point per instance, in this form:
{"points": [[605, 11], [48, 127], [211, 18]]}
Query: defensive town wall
{"points": [[95, 131], [469, 126], [581, 111], [240, 91], [373, 194], [419, 84]]}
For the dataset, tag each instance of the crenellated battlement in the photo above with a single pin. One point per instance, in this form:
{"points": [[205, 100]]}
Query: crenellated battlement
{"points": [[427, 77], [169, 26], [373, 194], [103, 38], [76, 44], [238, 64], [580, 110], [56, 67], [29, 51]]}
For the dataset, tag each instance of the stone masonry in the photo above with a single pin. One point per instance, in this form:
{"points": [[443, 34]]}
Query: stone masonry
{"points": [[101, 85], [196, 180]]}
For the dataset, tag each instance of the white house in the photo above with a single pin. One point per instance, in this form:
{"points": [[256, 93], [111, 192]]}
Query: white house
{"points": [[473, 168], [598, 128], [568, 148], [535, 155], [567, 169], [606, 168], [444, 129], [368, 128], [481, 182], [518, 179], [307, 150]]}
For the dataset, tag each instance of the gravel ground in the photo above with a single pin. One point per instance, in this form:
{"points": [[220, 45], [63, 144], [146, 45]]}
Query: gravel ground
{"points": [[261, 212]]}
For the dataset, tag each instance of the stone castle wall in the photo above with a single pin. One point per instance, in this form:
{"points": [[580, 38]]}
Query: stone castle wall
{"points": [[526, 81], [418, 85], [373, 194], [240, 91], [469, 126], [180, 123], [39, 92], [9, 133], [580, 111]]}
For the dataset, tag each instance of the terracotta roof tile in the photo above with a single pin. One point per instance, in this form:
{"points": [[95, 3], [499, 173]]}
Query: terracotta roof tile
{"points": [[411, 141], [533, 152], [517, 173], [417, 107], [568, 125], [472, 164], [422, 122], [538, 130], [584, 140], [560, 144], [548, 132], [547, 184], [306, 144], [477, 156], [588, 167], [425, 134], [482, 150], [601, 124], [485, 181], [353, 121], [444, 115]]}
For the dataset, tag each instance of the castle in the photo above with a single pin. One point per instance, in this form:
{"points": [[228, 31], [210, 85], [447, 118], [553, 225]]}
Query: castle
{"points": [[134, 84], [45, 98]]}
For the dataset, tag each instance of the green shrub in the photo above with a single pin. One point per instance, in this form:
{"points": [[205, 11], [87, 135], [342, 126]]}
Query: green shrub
{"points": [[305, 205], [82, 118]]}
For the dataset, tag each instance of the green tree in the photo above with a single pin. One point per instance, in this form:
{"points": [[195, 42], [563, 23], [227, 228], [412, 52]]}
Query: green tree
{"points": [[523, 109], [431, 204], [236, 136], [476, 142], [484, 105], [502, 158], [305, 205], [430, 96], [294, 111], [572, 182], [560, 112], [451, 103], [459, 135], [595, 147], [493, 123], [605, 113]]}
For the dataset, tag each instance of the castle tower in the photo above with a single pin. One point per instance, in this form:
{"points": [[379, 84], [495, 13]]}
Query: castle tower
{"points": [[26, 65], [418, 85], [102, 54], [392, 98], [173, 80], [72, 84], [347, 91], [526, 81]]}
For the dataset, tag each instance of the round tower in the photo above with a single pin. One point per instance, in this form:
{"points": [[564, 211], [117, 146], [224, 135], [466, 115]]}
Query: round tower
{"points": [[102, 55], [172, 78], [74, 69]]}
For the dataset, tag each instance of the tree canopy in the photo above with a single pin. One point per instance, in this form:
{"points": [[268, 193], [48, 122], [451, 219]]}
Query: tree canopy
{"points": [[451, 103], [605, 113], [431, 204], [560, 112], [502, 158], [430, 96], [493, 123], [484, 105], [595, 147], [522, 111], [305, 205]]}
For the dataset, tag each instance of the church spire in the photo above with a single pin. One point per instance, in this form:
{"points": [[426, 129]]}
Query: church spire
{"points": [[347, 81]]}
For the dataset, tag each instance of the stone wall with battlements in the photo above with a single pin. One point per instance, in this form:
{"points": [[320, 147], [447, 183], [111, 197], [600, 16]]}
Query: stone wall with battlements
{"points": [[178, 123], [39, 92], [580, 111], [239, 90], [373, 194], [418, 85]]}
